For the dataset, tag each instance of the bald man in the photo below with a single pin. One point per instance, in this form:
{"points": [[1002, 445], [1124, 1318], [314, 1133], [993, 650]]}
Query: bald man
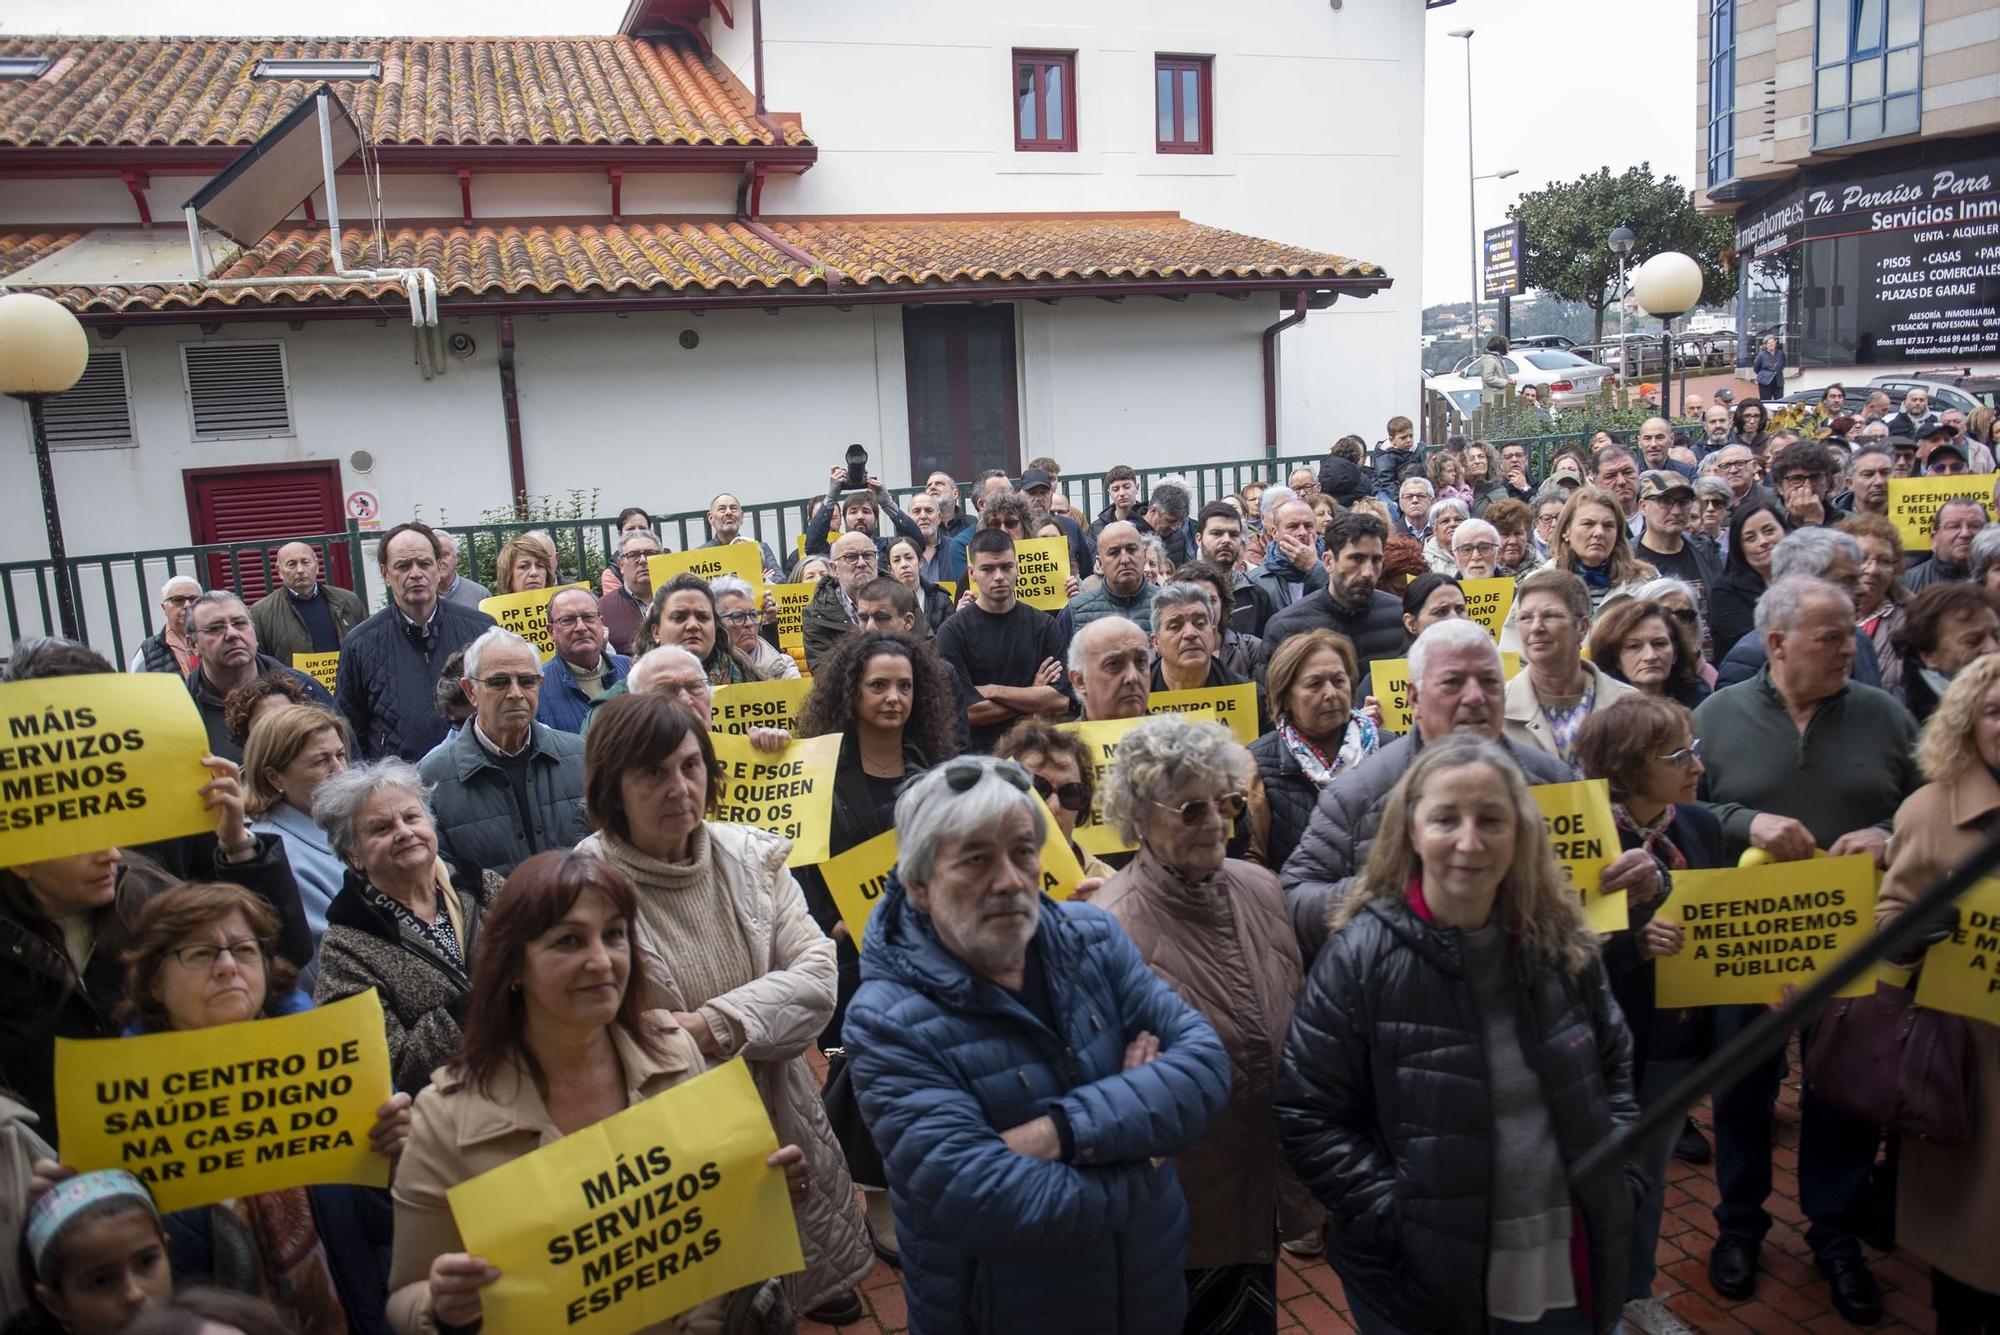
{"points": [[303, 615], [1110, 664]]}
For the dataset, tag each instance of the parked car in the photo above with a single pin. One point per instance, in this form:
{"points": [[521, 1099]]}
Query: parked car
{"points": [[1948, 389], [1564, 379], [1526, 341]]}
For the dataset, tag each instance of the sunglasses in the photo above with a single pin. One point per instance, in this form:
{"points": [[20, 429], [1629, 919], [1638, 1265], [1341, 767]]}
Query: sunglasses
{"points": [[1069, 796], [963, 775], [1233, 805], [501, 681]]}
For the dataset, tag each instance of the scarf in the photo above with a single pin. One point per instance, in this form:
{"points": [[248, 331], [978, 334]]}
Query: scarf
{"points": [[267, 1245], [1652, 837], [1281, 565], [1597, 577], [1356, 744]]}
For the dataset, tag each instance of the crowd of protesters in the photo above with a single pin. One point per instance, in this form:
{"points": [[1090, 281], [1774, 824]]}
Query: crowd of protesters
{"points": [[1336, 998]]}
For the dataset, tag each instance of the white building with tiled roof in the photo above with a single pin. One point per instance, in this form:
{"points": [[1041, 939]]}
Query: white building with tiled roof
{"points": [[1106, 232]]}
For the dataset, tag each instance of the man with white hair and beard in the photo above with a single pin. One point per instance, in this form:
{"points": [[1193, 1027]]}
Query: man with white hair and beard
{"points": [[1026, 1077], [1455, 686]]}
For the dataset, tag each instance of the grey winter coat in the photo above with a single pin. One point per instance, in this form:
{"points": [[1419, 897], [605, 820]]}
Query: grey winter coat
{"points": [[1098, 602], [478, 820], [1334, 847]]}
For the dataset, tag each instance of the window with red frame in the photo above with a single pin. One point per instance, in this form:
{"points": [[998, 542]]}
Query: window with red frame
{"points": [[1182, 104], [1045, 101]]}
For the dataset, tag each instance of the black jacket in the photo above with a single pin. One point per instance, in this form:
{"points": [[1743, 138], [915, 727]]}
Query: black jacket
{"points": [[211, 703], [1732, 607], [41, 999], [1376, 630], [1381, 1115], [1698, 835], [1291, 795], [389, 673]]}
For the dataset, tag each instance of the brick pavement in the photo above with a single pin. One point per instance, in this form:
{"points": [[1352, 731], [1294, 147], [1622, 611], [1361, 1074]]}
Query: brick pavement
{"points": [[1791, 1297]]}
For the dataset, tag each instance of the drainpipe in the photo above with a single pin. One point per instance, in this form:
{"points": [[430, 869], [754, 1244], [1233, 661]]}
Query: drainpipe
{"points": [[510, 412], [1271, 372]]}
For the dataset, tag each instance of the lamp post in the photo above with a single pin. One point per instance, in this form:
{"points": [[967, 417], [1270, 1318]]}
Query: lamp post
{"points": [[1471, 207], [43, 351], [1621, 241], [1668, 286]]}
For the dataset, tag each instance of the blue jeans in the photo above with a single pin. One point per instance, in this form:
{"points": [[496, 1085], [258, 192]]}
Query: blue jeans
{"points": [[1836, 1153], [1656, 1156], [1563, 1321]]}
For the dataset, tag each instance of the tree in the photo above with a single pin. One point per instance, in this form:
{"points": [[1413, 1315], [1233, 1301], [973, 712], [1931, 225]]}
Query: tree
{"points": [[1566, 227]]}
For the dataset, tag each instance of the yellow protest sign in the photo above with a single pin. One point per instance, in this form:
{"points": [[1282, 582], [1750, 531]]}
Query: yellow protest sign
{"points": [[1751, 930], [636, 1218], [1962, 972], [1043, 569], [1101, 739], [788, 792], [322, 668], [760, 704], [792, 600], [1585, 840], [527, 615], [95, 761], [950, 586], [857, 878], [1235, 707], [1389, 679], [1488, 601], [741, 559], [209, 1114], [1914, 501]]}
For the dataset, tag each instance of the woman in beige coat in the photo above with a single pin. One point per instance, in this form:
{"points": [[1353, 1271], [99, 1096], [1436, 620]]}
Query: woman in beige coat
{"points": [[726, 942], [1948, 1196], [556, 1039]]}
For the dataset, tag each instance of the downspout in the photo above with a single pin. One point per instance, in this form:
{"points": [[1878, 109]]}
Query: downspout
{"points": [[510, 412], [1297, 316]]}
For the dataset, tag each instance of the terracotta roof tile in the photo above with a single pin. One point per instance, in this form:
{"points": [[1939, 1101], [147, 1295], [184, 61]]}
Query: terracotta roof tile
{"points": [[668, 257], [950, 250], [461, 91]]}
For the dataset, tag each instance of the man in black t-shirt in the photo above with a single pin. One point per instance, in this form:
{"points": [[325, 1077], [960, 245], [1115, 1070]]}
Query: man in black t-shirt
{"points": [[1010, 652], [1667, 500]]}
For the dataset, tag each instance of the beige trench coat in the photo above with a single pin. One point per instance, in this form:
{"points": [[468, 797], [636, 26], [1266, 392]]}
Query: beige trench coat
{"points": [[1948, 1196], [458, 1132], [779, 1012]]}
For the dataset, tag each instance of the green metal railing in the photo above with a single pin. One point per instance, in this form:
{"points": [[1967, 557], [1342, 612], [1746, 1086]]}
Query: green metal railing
{"points": [[117, 593]]}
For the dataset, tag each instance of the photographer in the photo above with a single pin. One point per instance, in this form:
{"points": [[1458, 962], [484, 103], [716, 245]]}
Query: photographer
{"points": [[861, 502]]}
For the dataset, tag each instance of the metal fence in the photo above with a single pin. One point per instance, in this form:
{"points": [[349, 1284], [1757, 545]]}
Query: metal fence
{"points": [[117, 593]]}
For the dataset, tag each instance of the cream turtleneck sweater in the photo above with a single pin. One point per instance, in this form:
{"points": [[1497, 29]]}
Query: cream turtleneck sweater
{"points": [[693, 926]]}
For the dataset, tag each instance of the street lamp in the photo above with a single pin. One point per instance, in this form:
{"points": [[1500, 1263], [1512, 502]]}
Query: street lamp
{"points": [[43, 351], [1471, 205], [1668, 286], [1621, 241]]}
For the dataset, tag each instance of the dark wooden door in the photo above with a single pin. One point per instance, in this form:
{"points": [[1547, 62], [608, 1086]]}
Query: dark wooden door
{"points": [[257, 502], [964, 400]]}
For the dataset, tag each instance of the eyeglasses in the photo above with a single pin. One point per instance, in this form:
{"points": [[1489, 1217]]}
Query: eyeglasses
{"points": [[176, 599], [738, 618], [1069, 796], [202, 958], [963, 775], [500, 681], [638, 556], [574, 619], [1193, 813], [1686, 756], [856, 559], [1477, 548]]}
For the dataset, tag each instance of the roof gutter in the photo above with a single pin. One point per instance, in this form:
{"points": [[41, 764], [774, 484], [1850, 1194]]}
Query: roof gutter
{"points": [[1271, 333], [704, 300], [204, 160]]}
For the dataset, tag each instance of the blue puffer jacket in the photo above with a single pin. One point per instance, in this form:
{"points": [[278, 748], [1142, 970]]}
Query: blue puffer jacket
{"points": [[945, 1060]]}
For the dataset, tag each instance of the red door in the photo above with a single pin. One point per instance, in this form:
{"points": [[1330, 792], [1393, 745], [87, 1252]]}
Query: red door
{"points": [[278, 502]]}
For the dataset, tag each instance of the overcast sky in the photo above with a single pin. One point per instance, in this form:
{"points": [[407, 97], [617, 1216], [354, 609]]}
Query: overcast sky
{"points": [[1559, 88]]}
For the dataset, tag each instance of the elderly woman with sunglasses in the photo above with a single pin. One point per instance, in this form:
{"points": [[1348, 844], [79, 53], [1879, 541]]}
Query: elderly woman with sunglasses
{"points": [[1025, 1075], [1218, 932], [1059, 765]]}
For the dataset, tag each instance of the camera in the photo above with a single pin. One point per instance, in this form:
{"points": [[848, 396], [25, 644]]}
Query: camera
{"points": [[857, 468]]}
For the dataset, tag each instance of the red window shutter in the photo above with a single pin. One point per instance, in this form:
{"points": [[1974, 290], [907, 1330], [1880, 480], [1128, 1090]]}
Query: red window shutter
{"points": [[249, 504]]}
